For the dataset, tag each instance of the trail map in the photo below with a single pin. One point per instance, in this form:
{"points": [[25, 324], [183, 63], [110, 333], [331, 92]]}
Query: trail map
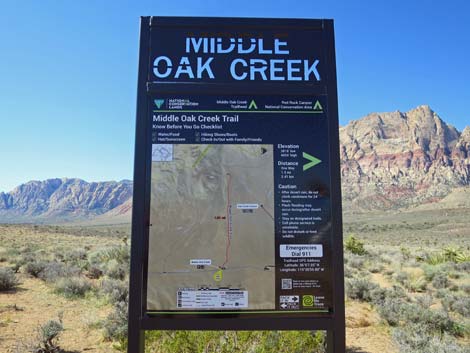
{"points": [[212, 226]]}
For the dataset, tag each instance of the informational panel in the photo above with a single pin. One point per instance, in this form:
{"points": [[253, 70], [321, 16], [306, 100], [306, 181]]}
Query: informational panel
{"points": [[240, 204], [237, 210]]}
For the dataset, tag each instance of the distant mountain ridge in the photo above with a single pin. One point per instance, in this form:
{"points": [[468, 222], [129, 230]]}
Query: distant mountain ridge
{"points": [[388, 161], [63, 199], [395, 160]]}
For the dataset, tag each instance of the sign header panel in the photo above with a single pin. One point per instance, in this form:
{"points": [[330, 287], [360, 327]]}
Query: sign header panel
{"points": [[232, 54]]}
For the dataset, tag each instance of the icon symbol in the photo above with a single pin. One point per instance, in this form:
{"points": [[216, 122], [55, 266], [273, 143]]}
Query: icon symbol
{"points": [[313, 161], [317, 106], [307, 300], [218, 276], [252, 105], [159, 102]]}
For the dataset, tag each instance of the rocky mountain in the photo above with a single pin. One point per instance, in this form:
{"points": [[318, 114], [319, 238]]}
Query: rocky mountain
{"points": [[389, 161], [395, 160], [63, 199]]}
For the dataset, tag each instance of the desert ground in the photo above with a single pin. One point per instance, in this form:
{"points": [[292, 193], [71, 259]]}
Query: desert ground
{"points": [[407, 277]]}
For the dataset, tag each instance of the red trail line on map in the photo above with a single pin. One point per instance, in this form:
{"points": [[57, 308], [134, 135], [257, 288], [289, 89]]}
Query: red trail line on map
{"points": [[229, 220]]}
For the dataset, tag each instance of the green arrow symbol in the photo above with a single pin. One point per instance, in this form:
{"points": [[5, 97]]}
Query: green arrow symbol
{"points": [[252, 105], [317, 106], [313, 161]]}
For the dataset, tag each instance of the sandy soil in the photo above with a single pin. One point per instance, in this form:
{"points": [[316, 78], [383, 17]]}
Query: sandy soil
{"points": [[36, 304], [364, 331]]}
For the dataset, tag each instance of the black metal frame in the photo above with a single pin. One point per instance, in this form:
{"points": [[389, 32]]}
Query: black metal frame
{"points": [[139, 320]]}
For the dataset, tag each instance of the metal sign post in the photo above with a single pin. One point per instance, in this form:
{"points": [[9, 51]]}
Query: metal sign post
{"points": [[236, 220]]}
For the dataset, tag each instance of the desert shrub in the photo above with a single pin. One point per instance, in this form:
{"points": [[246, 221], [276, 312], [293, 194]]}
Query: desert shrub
{"points": [[389, 310], [463, 266], [417, 338], [8, 280], [94, 272], [397, 292], [34, 268], [440, 280], [72, 287], [425, 301], [416, 284], [46, 339], [455, 254], [448, 254], [115, 270], [40, 254], [24, 259], [15, 266], [462, 306], [405, 253], [236, 341], [465, 288], [115, 325], [377, 295], [396, 311], [55, 270], [440, 293], [349, 272], [77, 258], [435, 259], [50, 271], [75, 255], [354, 245], [386, 259], [376, 267], [48, 335], [120, 253], [356, 261], [412, 338], [401, 277], [434, 320], [458, 304], [360, 289], [115, 290], [430, 271]]}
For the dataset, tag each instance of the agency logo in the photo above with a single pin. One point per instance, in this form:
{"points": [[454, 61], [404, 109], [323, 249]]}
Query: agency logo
{"points": [[159, 102], [307, 300]]}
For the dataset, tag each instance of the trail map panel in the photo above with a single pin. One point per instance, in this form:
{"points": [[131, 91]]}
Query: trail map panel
{"points": [[212, 206]]}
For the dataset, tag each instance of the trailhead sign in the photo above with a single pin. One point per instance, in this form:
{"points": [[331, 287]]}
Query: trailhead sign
{"points": [[237, 214]]}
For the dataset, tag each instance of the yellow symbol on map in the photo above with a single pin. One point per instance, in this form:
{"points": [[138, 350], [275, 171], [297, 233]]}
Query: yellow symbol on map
{"points": [[218, 276]]}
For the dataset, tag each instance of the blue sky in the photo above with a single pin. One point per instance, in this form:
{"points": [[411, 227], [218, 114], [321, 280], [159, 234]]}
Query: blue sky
{"points": [[68, 72]]}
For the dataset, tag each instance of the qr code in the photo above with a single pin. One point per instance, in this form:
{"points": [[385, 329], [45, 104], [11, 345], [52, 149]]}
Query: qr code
{"points": [[286, 283]]}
